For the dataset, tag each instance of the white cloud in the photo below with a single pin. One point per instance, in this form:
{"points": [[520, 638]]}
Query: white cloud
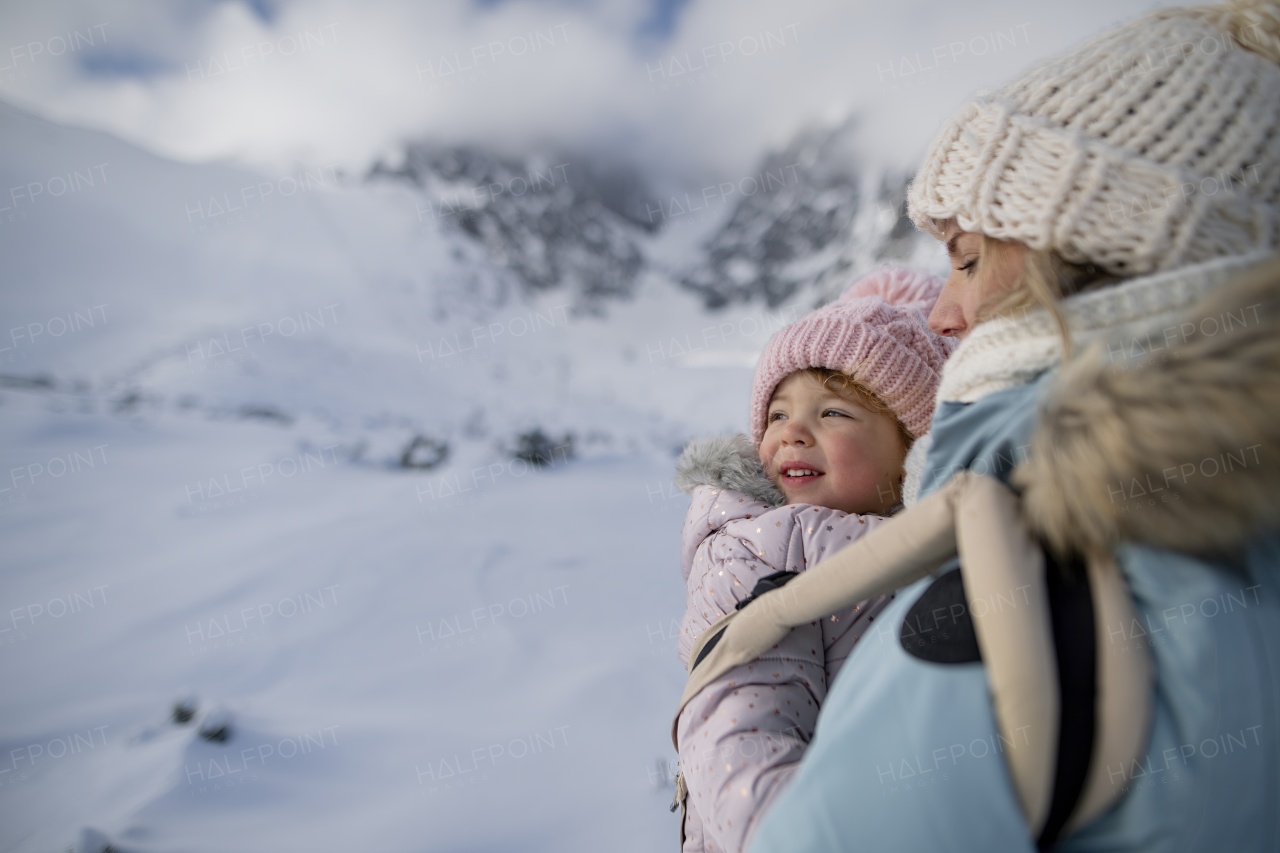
{"points": [[329, 81]]}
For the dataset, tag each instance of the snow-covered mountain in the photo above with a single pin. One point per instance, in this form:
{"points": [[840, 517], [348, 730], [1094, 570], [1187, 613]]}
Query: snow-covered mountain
{"points": [[809, 218], [377, 482], [550, 223]]}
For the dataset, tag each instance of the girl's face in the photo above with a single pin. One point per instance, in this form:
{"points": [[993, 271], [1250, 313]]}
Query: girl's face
{"points": [[974, 281], [820, 448]]}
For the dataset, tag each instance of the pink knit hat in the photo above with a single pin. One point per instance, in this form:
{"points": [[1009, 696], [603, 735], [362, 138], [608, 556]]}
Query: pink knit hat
{"points": [[877, 333]]}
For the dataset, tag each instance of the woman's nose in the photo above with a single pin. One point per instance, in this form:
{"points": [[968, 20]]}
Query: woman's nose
{"points": [[947, 318]]}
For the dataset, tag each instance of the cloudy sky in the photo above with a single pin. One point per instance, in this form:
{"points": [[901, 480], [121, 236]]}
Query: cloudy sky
{"points": [[695, 86]]}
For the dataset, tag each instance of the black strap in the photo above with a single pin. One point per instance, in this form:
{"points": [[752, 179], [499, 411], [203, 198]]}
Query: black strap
{"points": [[1075, 644], [939, 629], [706, 650], [768, 583]]}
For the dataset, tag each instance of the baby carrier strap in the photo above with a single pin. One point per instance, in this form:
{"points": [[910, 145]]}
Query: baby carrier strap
{"points": [[1071, 710]]}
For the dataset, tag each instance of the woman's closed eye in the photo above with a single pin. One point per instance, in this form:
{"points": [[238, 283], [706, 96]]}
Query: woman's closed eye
{"points": [[968, 266]]}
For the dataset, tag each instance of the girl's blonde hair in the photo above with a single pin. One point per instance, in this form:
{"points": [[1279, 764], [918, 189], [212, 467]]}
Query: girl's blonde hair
{"points": [[844, 385]]}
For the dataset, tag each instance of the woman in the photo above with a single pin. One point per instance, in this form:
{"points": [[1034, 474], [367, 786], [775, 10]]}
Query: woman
{"points": [[1111, 219]]}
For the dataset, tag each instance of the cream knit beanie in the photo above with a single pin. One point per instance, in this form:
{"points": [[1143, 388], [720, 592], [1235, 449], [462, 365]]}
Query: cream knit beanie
{"points": [[1153, 146]]}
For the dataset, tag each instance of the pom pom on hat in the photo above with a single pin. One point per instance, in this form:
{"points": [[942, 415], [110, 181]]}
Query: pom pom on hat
{"points": [[900, 286], [878, 333]]}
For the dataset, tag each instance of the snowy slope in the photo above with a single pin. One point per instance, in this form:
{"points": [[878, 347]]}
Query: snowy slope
{"points": [[201, 411]]}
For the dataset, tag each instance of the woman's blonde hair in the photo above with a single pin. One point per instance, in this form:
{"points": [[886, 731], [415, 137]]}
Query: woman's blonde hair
{"points": [[1046, 280]]}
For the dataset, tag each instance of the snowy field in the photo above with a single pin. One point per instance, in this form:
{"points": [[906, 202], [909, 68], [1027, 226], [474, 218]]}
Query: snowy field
{"points": [[202, 415]]}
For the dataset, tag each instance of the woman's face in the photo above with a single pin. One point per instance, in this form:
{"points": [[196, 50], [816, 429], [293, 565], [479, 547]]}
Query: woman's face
{"points": [[973, 282]]}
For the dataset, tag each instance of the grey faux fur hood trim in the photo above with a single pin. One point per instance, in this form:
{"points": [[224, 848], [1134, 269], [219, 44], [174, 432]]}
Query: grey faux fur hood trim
{"points": [[726, 462], [1171, 439]]}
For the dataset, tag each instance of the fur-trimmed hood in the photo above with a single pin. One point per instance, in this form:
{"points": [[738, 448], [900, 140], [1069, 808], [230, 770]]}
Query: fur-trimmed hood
{"points": [[726, 462], [1169, 437]]}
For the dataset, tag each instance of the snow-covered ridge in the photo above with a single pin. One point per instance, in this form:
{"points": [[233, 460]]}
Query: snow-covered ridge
{"points": [[547, 223]]}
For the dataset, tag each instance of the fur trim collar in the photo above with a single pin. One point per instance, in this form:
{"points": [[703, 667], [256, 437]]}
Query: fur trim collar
{"points": [[1168, 440]]}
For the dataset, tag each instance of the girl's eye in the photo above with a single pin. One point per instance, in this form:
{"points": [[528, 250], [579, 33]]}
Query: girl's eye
{"points": [[773, 416], [835, 412], [968, 266]]}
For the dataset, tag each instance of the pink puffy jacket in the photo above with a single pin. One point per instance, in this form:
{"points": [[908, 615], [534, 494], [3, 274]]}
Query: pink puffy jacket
{"points": [[741, 738]]}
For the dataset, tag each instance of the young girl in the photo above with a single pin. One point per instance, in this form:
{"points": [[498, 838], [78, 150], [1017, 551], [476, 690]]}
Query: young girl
{"points": [[839, 396]]}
